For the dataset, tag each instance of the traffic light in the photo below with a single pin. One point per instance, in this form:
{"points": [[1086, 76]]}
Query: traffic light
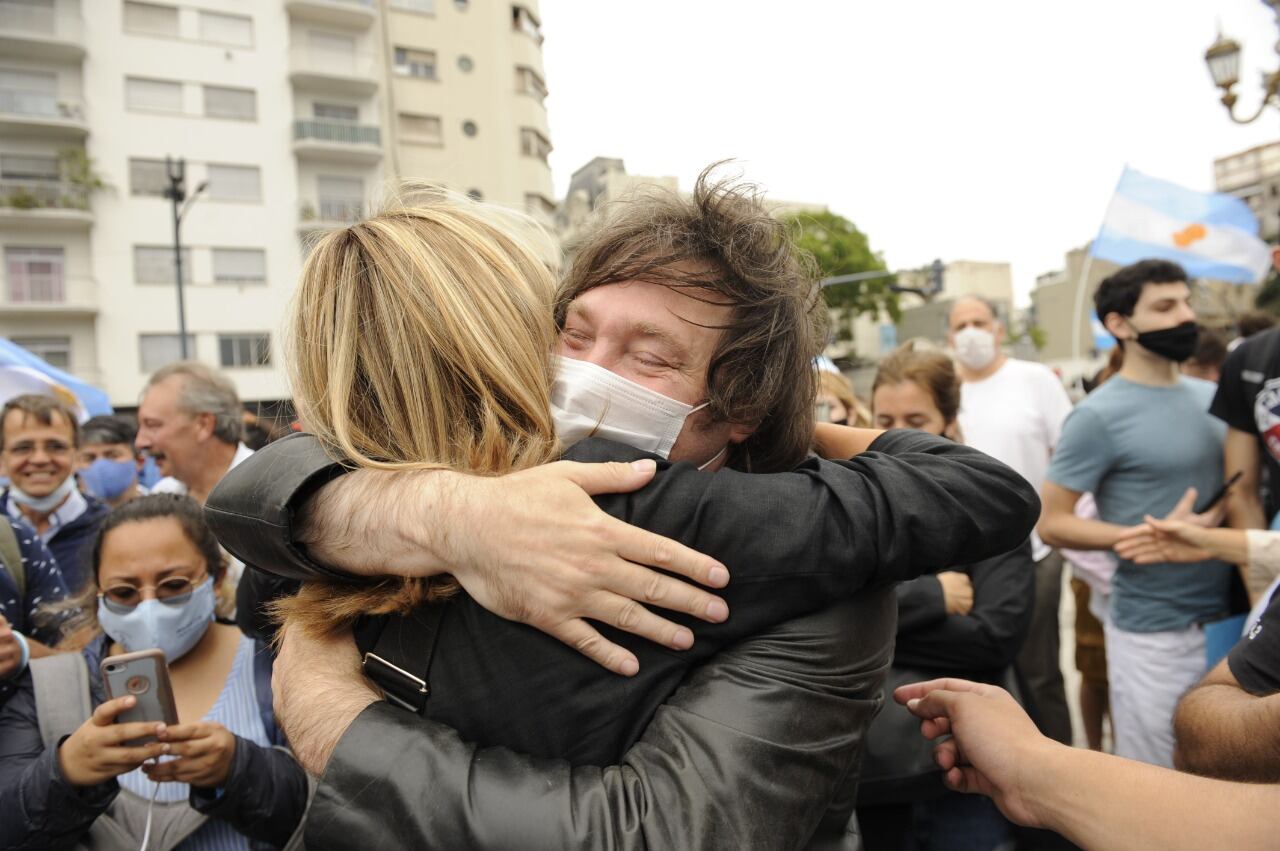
{"points": [[934, 284]]}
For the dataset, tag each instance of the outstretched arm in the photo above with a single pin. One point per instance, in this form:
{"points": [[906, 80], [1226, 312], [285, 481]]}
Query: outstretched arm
{"points": [[758, 749], [1096, 800]]}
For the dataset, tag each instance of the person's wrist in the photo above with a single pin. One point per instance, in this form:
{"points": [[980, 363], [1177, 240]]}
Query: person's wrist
{"points": [[1042, 781], [25, 658], [448, 503]]}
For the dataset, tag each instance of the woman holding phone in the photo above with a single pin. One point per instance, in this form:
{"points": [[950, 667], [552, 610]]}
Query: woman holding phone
{"points": [[77, 777]]}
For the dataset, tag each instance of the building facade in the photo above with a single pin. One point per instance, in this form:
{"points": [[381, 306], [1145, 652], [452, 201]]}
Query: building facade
{"points": [[292, 117], [1254, 176]]}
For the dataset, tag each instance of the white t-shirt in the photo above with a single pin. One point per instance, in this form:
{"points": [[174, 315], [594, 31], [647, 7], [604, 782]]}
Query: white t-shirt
{"points": [[1016, 416]]}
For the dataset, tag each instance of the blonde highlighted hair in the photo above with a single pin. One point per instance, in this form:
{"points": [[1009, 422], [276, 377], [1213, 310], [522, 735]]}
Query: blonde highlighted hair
{"points": [[421, 339]]}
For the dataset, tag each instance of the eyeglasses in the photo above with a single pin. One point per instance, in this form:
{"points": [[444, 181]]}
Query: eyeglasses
{"points": [[174, 591]]}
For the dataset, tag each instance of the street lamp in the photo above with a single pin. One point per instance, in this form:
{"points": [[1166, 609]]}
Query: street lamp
{"points": [[1223, 59], [176, 192]]}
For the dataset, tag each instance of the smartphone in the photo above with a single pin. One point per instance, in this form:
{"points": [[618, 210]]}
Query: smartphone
{"points": [[145, 675], [1222, 491]]}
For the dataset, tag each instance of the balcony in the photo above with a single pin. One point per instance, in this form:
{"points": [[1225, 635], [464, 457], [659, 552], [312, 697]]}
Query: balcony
{"points": [[357, 14], [337, 141], [48, 295], [333, 72], [32, 32], [328, 214], [24, 113], [44, 205]]}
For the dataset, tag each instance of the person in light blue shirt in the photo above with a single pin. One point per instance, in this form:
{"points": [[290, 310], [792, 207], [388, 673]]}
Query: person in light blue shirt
{"points": [[1139, 443]]}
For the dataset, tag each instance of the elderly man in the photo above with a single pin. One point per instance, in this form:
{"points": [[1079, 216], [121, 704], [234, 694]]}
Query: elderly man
{"points": [[190, 421], [1013, 410], [756, 748], [39, 436]]}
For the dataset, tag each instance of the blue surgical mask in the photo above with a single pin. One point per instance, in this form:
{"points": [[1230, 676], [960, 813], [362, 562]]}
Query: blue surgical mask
{"points": [[107, 479], [173, 627]]}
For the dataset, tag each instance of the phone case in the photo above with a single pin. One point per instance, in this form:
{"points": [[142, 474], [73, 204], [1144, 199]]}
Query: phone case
{"points": [[145, 675]]}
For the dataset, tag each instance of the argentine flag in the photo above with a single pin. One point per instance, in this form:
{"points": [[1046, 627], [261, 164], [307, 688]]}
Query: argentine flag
{"points": [[1209, 234]]}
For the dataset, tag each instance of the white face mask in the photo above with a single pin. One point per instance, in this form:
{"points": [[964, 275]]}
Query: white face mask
{"points": [[43, 504], [590, 401], [975, 347]]}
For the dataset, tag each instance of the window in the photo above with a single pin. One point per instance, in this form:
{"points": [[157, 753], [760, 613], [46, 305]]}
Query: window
{"points": [[538, 205], [341, 198], [147, 177], [234, 182], [151, 18], [28, 92], [465, 64], [239, 266], [235, 30], [56, 351], [27, 167], [157, 350], [335, 112], [153, 95], [244, 350], [30, 15], [332, 47], [534, 144], [529, 83], [421, 128], [426, 7], [470, 128], [224, 102], [36, 275], [153, 264], [416, 63], [522, 20]]}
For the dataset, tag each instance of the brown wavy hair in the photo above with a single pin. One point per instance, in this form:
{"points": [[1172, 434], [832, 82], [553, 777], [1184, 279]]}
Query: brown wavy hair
{"points": [[421, 339], [932, 371], [721, 245]]}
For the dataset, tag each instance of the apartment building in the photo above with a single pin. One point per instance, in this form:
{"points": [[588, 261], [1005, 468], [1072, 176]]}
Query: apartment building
{"points": [[1254, 177], [292, 117]]}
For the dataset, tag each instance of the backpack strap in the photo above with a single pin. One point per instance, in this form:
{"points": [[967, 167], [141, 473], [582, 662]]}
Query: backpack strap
{"points": [[11, 556], [63, 701], [400, 659]]}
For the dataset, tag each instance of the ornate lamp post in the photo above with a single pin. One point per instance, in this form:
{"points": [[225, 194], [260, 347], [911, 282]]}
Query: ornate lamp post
{"points": [[1223, 59]]}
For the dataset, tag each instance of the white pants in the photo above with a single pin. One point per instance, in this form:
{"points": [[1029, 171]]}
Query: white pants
{"points": [[1149, 674]]}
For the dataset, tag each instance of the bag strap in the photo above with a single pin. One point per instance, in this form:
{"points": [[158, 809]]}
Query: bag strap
{"points": [[400, 660], [63, 702], [11, 556]]}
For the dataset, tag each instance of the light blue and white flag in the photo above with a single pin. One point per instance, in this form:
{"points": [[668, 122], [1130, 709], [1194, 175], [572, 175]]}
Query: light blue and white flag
{"points": [[22, 372], [1210, 234]]}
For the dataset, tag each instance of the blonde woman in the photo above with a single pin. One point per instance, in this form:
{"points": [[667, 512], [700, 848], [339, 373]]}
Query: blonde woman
{"points": [[422, 340]]}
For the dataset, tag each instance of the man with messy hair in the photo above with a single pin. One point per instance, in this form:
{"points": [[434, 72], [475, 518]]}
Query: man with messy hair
{"points": [[688, 328]]}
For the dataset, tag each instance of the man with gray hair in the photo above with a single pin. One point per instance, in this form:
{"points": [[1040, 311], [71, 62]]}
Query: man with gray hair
{"points": [[190, 422], [1013, 410]]}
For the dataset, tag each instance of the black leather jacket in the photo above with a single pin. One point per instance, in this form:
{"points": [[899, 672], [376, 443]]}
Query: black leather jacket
{"points": [[743, 755]]}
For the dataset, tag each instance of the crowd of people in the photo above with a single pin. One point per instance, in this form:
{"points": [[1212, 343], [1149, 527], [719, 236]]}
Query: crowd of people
{"points": [[620, 561]]}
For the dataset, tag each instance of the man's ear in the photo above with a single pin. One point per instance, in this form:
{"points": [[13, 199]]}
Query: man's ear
{"points": [[999, 332], [1275, 258], [1118, 326], [205, 423]]}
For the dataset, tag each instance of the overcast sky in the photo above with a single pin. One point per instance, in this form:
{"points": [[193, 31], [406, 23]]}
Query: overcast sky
{"points": [[977, 131]]}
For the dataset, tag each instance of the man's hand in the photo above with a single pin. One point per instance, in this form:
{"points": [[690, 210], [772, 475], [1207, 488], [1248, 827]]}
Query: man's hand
{"points": [[994, 749], [205, 751], [532, 547], [10, 651], [1182, 536], [317, 689], [957, 592]]}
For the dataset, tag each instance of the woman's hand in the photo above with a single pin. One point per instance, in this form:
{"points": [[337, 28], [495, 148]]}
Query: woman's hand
{"points": [[204, 752], [957, 592], [96, 752], [1157, 541]]}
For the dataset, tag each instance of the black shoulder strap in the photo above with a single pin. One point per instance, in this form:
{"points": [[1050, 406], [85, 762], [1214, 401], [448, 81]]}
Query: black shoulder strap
{"points": [[400, 660]]}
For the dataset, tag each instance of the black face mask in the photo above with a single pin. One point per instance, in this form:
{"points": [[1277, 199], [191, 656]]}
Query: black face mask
{"points": [[1176, 344]]}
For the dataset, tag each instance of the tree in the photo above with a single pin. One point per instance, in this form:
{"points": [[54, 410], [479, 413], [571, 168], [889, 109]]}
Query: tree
{"points": [[1268, 297], [841, 249]]}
